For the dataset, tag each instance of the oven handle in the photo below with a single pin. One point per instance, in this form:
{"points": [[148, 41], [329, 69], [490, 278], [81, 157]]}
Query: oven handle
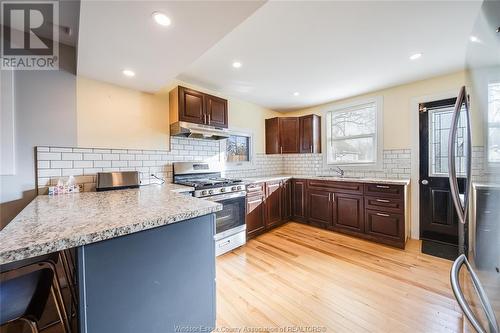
{"points": [[220, 197]]}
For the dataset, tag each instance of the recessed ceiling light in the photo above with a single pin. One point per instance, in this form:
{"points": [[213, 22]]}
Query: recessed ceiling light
{"points": [[474, 39], [161, 19], [128, 73], [415, 56], [296, 93], [236, 64]]}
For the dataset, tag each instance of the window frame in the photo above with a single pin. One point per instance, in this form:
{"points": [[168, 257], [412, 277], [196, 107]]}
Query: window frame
{"points": [[239, 165], [378, 135]]}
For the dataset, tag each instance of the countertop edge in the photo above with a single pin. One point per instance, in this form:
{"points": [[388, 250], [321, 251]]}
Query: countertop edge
{"points": [[253, 180]]}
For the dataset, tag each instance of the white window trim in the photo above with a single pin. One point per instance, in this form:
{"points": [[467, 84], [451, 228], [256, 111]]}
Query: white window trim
{"points": [[377, 165], [241, 165]]}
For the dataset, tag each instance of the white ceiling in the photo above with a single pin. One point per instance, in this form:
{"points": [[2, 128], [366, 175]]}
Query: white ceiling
{"points": [[332, 50], [115, 35]]}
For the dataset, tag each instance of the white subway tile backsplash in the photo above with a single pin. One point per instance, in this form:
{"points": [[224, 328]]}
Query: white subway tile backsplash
{"points": [[102, 164], [72, 172], [42, 173], [119, 164], [61, 150], [61, 164], [83, 164], [43, 164], [48, 156], [72, 156], [92, 157]]}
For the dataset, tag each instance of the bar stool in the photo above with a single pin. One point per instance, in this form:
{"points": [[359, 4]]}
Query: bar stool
{"points": [[49, 262], [24, 297]]}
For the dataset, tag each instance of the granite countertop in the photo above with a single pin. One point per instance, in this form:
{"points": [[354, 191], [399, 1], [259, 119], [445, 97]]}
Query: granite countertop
{"points": [[50, 224], [332, 178]]}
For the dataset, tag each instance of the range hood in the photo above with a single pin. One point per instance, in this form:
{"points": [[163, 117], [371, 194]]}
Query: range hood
{"points": [[196, 131]]}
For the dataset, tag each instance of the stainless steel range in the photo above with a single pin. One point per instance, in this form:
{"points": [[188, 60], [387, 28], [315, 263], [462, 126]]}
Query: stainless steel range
{"points": [[208, 184]]}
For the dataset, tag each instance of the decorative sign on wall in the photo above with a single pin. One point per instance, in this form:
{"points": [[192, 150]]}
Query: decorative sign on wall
{"points": [[7, 142]]}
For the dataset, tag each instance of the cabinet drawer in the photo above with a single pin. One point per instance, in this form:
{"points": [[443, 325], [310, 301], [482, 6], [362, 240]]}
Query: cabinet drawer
{"points": [[255, 189], [385, 204], [385, 225], [342, 187], [385, 190]]}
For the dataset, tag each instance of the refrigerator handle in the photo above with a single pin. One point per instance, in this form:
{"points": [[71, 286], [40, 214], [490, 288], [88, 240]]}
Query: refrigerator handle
{"points": [[459, 295], [460, 207]]}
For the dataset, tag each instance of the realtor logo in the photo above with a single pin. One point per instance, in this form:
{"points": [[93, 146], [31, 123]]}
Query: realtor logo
{"points": [[30, 35]]}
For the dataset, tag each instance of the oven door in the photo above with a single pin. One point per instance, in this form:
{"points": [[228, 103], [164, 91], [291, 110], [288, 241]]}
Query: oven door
{"points": [[231, 219]]}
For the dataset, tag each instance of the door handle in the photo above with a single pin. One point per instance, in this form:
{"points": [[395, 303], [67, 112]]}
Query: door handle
{"points": [[425, 182], [383, 215], [459, 295], [460, 207], [209, 120], [311, 149], [281, 149]]}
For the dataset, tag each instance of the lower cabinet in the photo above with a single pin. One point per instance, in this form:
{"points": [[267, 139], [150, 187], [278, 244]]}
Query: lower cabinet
{"points": [[273, 204], [388, 226], [348, 212], [320, 207], [255, 215], [299, 200], [370, 211]]}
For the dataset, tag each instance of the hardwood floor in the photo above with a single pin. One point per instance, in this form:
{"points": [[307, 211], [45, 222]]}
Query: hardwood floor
{"points": [[297, 275]]}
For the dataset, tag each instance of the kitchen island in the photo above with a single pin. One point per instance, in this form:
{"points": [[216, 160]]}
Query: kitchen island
{"points": [[145, 257]]}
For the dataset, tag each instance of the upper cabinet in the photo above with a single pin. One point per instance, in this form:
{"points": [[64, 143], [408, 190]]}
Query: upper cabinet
{"points": [[310, 134], [292, 135], [193, 106]]}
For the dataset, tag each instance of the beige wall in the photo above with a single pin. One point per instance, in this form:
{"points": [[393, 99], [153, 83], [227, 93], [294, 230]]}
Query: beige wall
{"points": [[397, 105], [112, 116]]}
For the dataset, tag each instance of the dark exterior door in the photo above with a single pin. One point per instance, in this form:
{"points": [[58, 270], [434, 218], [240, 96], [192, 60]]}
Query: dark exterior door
{"points": [[191, 106], [289, 135], [273, 204], [216, 110], [320, 207], [438, 219], [272, 136], [348, 212]]}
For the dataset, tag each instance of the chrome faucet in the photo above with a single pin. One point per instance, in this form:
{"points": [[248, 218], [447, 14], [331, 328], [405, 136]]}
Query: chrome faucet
{"points": [[339, 171]]}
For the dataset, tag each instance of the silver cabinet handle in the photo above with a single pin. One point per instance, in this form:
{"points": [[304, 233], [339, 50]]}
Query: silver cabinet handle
{"points": [[383, 186], [329, 197], [281, 149], [333, 197], [209, 120], [384, 215], [382, 200], [425, 182], [460, 207], [459, 295], [311, 149]]}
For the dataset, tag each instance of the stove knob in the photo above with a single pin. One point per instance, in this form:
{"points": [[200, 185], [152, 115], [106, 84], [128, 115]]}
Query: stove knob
{"points": [[223, 190], [234, 188], [203, 192], [211, 192]]}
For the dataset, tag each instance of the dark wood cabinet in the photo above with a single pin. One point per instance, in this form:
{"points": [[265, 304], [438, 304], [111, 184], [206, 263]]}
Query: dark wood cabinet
{"points": [[310, 134], [348, 212], [196, 107], [320, 206], [273, 136], [273, 204], [216, 109], [385, 226], [299, 200], [286, 189], [291, 135], [255, 219]]}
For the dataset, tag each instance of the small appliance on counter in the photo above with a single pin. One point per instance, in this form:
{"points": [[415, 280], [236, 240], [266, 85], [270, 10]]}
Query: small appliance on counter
{"points": [[107, 181], [230, 224]]}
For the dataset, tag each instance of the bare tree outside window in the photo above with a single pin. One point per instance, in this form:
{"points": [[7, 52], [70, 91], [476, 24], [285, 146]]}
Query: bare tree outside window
{"points": [[494, 122]]}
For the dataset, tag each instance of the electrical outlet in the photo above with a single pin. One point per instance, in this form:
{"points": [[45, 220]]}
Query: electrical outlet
{"points": [[80, 187]]}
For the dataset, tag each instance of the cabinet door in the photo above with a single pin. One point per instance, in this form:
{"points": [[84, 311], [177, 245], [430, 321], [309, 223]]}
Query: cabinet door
{"points": [[216, 110], [255, 219], [320, 207], [272, 136], [289, 135], [286, 189], [385, 225], [191, 106], [273, 204], [310, 134], [299, 200], [348, 212]]}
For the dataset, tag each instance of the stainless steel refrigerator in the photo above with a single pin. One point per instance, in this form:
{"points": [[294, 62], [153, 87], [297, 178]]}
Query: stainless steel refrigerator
{"points": [[475, 274]]}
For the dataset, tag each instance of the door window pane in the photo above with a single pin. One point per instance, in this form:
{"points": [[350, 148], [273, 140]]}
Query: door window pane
{"points": [[439, 131]]}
